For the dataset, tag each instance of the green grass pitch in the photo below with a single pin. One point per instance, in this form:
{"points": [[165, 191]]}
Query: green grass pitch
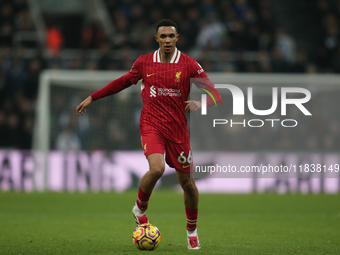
{"points": [[102, 223]]}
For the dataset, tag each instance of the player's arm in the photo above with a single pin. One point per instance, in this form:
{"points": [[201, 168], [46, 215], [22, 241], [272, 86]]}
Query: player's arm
{"points": [[113, 87], [81, 107], [201, 80]]}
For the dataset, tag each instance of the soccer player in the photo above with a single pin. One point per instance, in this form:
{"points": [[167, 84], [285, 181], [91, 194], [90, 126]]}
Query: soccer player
{"points": [[165, 88]]}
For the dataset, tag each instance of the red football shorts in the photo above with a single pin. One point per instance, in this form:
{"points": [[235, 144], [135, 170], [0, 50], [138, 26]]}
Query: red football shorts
{"points": [[177, 155]]}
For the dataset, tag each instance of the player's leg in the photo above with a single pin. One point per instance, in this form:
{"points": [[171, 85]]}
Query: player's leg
{"points": [[179, 157], [156, 170], [154, 147], [190, 190], [148, 182], [191, 207]]}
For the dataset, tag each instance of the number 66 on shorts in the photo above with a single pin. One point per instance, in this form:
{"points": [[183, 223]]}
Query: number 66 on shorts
{"points": [[177, 155]]}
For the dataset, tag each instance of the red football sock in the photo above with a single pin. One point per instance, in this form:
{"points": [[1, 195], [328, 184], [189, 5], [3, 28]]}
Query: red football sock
{"points": [[191, 218], [143, 199]]}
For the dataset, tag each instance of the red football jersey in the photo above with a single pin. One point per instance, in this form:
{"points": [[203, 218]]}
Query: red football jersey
{"points": [[165, 88]]}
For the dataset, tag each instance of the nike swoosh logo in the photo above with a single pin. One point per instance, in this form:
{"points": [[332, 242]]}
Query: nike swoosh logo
{"points": [[148, 75], [185, 166]]}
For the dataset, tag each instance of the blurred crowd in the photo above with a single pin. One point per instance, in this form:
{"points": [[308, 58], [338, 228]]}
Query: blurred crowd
{"points": [[19, 76], [223, 36], [231, 29], [14, 17], [326, 21]]}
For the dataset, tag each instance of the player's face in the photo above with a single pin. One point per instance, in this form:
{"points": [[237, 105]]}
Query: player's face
{"points": [[167, 38]]}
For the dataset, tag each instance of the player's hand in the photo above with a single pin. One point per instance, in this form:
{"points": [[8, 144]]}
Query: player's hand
{"points": [[81, 107], [192, 106]]}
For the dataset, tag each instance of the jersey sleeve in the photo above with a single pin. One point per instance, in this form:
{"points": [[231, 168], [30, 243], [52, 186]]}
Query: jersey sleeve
{"points": [[135, 74], [202, 81], [131, 77], [197, 70]]}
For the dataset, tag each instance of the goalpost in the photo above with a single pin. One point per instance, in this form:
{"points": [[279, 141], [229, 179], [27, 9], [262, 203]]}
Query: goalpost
{"points": [[91, 80]]}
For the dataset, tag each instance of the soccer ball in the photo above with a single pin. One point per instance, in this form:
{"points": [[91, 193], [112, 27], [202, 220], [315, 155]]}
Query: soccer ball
{"points": [[146, 237]]}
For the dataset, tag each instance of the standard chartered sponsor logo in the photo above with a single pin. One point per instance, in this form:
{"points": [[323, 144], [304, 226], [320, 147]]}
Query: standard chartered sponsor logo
{"points": [[169, 92], [152, 91], [164, 92]]}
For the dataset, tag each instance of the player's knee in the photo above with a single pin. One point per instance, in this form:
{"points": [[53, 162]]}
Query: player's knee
{"points": [[189, 186], [157, 170]]}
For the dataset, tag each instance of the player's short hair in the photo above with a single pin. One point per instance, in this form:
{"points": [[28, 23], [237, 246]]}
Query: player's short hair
{"points": [[166, 23]]}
